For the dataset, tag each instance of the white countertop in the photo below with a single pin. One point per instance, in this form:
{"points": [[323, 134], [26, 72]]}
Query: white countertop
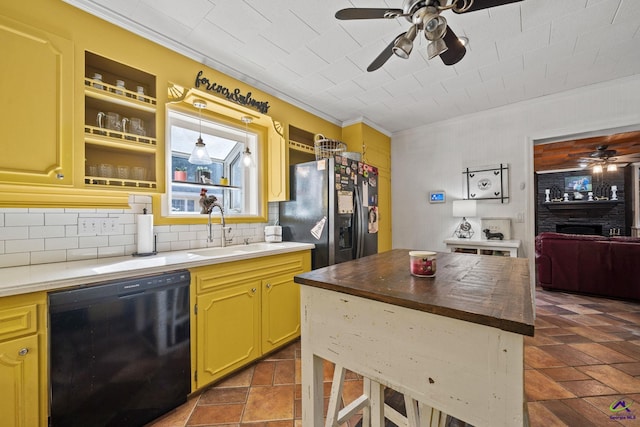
{"points": [[46, 277]]}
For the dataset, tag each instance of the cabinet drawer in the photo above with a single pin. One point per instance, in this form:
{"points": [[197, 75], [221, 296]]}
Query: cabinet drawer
{"points": [[18, 321], [231, 273]]}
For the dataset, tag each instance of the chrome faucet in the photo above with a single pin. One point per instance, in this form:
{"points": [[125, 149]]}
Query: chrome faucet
{"points": [[208, 203]]}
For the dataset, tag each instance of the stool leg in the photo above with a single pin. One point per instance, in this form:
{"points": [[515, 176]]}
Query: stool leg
{"points": [[335, 397], [376, 396]]}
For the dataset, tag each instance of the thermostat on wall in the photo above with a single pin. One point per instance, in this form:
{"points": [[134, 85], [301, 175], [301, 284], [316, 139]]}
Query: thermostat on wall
{"points": [[437, 197]]}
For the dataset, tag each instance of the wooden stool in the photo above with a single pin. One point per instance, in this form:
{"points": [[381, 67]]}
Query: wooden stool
{"points": [[375, 410]]}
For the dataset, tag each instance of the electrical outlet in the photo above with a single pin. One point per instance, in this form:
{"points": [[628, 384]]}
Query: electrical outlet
{"points": [[520, 217], [107, 226], [87, 226]]}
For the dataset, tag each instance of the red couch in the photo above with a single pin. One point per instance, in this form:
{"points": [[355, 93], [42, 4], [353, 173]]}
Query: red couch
{"points": [[597, 265]]}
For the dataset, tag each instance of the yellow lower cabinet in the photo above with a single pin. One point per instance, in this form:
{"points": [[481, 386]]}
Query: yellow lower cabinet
{"points": [[280, 311], [243, 309], [23, 372], [228, 330], [19, 382]]}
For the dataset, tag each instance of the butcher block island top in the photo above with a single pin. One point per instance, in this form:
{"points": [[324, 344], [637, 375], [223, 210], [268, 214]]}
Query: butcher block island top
{"points": [[487, 290]]}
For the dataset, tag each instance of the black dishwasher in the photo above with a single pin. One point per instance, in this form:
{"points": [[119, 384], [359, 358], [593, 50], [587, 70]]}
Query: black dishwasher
{"points": [[119, 351]]}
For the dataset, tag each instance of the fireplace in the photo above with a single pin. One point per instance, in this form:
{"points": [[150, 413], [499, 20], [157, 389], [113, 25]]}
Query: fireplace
{"points": [[579, 228]]}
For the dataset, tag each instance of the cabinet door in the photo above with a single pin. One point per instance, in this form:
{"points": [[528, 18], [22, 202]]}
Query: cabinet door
{"points": [[36, 115], [280, 311], [19, 382], [277, 167], [227, 330]]}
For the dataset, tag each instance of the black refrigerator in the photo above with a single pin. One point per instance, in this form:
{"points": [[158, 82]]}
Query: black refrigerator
{"points": [[334, 205]]}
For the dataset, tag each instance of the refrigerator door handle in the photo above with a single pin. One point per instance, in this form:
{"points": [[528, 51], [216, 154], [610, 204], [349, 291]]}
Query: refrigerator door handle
{"points": [[358, 224]]}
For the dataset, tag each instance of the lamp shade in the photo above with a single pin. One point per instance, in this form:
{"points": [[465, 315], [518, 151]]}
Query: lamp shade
{"points": [[464, 208]]}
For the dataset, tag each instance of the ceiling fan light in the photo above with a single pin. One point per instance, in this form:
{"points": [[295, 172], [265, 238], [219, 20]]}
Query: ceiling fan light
{"points": [[597, 169], [430, 16], [435, 48], [438, 31], [582, 165], [612, 167], [403, 48], [404, 44]]}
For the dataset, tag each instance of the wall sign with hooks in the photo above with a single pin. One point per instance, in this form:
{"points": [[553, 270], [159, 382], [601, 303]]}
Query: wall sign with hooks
{"points": [[490, 183]]}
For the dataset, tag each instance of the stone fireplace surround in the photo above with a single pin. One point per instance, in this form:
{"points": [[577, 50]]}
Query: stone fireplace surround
{"points": [[585, 218]]}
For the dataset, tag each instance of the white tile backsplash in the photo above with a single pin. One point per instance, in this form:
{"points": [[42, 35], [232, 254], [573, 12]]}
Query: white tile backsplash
{"points": [[23, 219], [46, 235]]}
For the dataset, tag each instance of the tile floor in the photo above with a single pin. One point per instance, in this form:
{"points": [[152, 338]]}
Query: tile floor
{"points": [[584, 358]]}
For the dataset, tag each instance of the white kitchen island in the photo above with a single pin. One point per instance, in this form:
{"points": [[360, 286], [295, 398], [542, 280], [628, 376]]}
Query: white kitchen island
{"points": [[453, 344]]}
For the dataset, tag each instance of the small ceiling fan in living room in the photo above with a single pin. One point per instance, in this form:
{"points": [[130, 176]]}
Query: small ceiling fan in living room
{"points": [[424, 16], [603, 157]]}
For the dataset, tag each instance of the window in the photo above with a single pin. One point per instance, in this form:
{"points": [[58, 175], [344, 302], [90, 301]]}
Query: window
{"points": [[225, 145]]}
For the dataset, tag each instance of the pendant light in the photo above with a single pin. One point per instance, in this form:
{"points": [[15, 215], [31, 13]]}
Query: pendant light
{"points": [[247, 160], [200, 155]]}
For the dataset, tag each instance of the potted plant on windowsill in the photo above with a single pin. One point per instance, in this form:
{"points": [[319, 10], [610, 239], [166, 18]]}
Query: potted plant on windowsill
{"points": [[180, 174]]}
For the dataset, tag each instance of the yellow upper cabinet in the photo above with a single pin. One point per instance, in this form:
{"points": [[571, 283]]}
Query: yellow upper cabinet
{"points": [[376, 147], [37, 106]]}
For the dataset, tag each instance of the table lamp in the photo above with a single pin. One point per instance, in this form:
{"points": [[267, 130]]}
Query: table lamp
{"points": [[463, 209]]}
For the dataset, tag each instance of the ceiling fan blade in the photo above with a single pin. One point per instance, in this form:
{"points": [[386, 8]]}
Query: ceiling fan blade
{"points": [[455, 50], [384, 55], [368, 13], [485, 4]]}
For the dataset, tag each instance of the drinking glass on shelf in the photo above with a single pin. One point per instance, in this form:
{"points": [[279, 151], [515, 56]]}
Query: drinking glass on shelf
{"points": [[92, 170], [113, 121], [105, 170], [136, 126], [123, 172], [139, 173]]}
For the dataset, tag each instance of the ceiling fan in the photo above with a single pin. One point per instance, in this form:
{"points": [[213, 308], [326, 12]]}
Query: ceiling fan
{"points": [[603, 157], [424, 15]]}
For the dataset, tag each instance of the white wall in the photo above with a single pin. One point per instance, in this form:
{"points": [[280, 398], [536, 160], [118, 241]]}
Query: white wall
{"points": [[432, 157]]}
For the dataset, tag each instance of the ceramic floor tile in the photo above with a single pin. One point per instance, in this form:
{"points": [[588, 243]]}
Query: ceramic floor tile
{"points": [[239, 379], [269, 404], [539, 358], [625, 347], [601, 352], [567, 414], [565, 374], [263, 373], [537, 386], [590, 412], [285, 372], [218, 395], [593, 334], [539, 416], [570, 356], [579, 309], [613, 377], [589, 319], [632, 369], [587, 388], [215, 414]]}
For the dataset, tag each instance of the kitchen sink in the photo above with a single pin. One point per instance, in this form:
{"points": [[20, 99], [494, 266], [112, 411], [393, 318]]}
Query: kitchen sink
{"points": [[237, 249]]}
